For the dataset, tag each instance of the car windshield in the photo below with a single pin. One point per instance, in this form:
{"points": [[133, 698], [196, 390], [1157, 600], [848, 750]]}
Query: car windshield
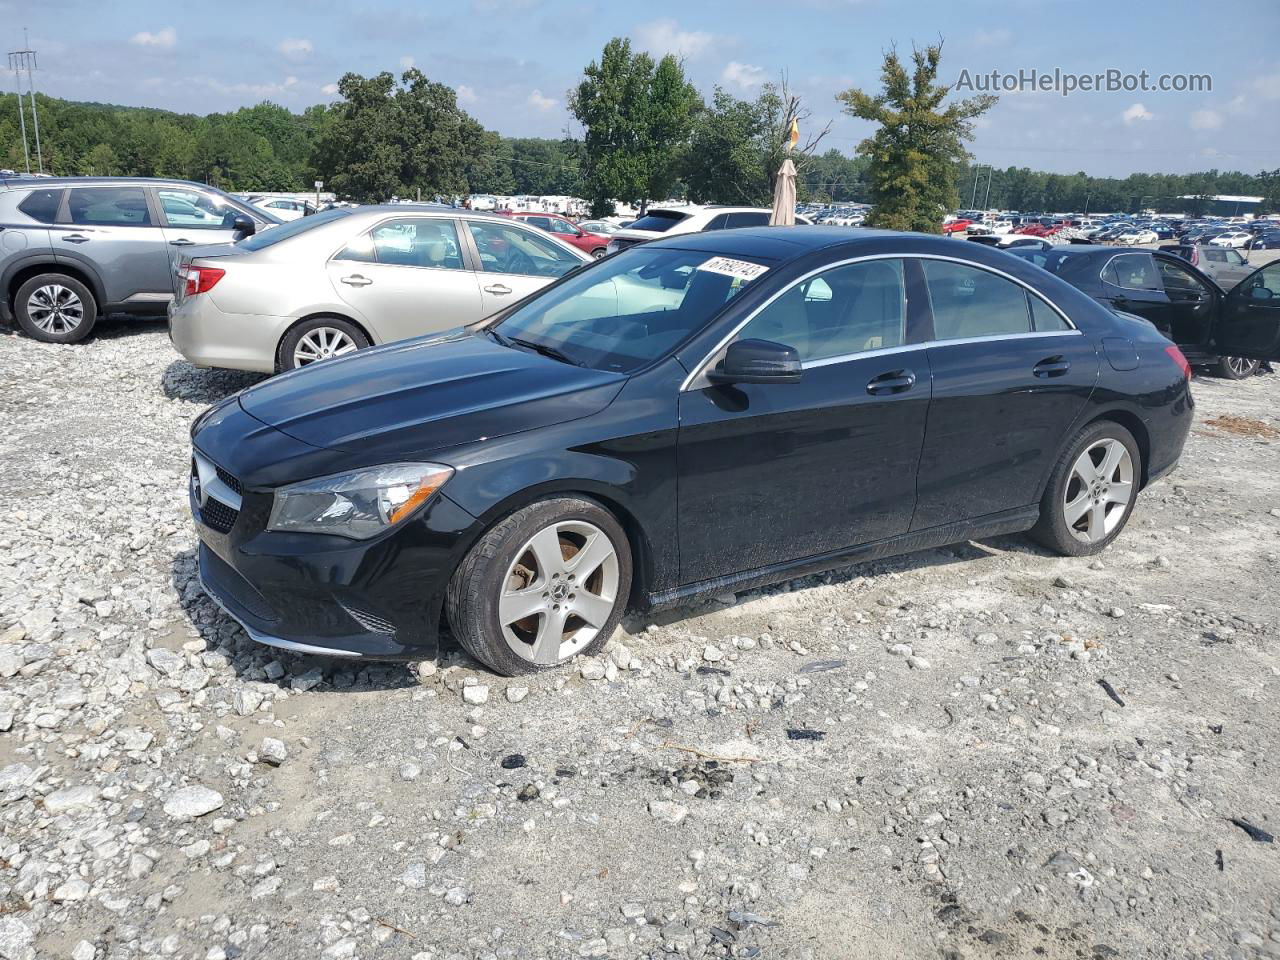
{"points": [[628, 310], [291, 229]]}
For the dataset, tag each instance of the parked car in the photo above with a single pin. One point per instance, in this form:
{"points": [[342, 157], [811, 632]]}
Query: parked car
{"points": [[568, 231], [958, 225], [1267, 240], [603, 228], [1230, 332], [1235, 239], [1009, 241], [673, 221], [346, 279], [1225, 267], [1136, 235], [285, 208], [78, 247], [528, 478]]}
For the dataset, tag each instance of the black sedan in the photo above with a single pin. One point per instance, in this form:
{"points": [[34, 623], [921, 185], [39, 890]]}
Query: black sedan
{"points": [[1232, 332], [703, 413]]}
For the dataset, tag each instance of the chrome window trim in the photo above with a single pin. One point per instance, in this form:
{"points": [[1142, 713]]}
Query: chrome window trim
{"points": [[697, 381]]}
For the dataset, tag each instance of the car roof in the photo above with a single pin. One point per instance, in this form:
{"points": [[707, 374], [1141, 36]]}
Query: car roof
{"points": [[23, 181], [789, 243]]}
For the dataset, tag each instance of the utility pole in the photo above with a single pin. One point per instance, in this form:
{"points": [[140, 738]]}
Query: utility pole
{"points": [[20, 60]]}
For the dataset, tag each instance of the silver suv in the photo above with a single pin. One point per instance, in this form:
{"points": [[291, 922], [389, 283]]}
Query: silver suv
{"points": [[74, 248]]}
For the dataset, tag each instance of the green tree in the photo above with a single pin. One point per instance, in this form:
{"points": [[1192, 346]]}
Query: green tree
{"points": [[637, 117], [915, 155], [101, 161], [725, 161]]}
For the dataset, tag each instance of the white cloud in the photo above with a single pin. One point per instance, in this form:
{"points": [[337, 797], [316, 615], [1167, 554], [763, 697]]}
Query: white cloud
{"points": [[295, 48], [1206, 120], [290, 81], [1135, 113], [540, 102], [329, 89], [406, 62], [999, 37], [466, 95], [744, 76], [163, 39], [664, 36], [1266, 86]]}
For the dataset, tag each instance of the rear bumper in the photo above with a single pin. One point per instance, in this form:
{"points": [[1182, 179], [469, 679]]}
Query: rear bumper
{"points": [[209, 337]]}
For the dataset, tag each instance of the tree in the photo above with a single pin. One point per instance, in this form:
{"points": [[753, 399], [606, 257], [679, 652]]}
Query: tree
{"points": [[915, 154], [101, 161], [725, 159], [637, 118]]}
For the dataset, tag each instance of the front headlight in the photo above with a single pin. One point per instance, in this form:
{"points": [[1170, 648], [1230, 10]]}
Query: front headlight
{"points": [[360, 504]]}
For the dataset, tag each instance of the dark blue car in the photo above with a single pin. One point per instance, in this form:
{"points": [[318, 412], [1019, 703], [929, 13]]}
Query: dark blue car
{"points": [[704, 413]]}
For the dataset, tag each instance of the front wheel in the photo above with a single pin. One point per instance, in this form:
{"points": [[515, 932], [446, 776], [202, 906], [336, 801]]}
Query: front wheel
{"points": [[1091, 491], [546, 584], [1235, 368]]}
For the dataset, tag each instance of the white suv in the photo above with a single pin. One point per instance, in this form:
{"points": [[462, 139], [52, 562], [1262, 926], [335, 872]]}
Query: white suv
{"points": [[669, 221]]}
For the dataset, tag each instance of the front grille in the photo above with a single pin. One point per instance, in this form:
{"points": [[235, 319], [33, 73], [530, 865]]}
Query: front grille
{"points": [[218, 516], [229, 480], [221, 579]]}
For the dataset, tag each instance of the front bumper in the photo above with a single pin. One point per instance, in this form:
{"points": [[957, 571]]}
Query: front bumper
{"points": [[210, 337], [380, 598]]}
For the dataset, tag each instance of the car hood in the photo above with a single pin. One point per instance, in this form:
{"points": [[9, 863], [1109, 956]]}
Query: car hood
{"points": [[406, 399]]}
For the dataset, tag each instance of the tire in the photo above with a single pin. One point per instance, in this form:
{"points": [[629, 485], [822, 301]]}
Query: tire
{"points": [[599, 252], [321, 338], [55, 308], [505, 565], [1235, 368], [1091, 532]]}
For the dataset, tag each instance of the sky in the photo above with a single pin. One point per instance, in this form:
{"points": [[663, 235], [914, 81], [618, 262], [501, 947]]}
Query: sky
{"points": [[513, 61]]}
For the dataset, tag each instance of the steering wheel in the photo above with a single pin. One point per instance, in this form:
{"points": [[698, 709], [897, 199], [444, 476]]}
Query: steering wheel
{"points": [[520, 262]]}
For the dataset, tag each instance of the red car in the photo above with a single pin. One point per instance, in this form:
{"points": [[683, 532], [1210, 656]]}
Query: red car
{"points": [[566, 230], [955, 226]]}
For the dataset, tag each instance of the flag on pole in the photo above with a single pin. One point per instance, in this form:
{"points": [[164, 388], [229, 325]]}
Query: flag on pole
{"points": [[794, 137]]}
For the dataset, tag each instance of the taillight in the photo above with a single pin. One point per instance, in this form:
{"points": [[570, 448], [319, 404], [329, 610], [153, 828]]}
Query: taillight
{"points": [[1176, 356], [201, 279]]}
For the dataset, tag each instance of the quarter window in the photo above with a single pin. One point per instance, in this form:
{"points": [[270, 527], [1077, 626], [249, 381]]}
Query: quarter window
{"points": [[42, 205], [1043, 317], [508, 249], [968, 302], [845, 310], [109, 207]]}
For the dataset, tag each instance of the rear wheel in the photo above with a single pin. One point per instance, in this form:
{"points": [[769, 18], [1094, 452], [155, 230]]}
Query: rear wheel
{"points": [[1235, 368], [1091, 491], [55, 308], [322, 338], [546, 584]]}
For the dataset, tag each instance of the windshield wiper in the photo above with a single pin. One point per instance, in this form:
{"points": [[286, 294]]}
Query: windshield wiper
{"points": [[498, 338], [545, 350]]}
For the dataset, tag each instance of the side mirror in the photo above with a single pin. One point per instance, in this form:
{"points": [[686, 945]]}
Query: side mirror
{"points": [[757, 361], [1260, 293], [244, 226]]}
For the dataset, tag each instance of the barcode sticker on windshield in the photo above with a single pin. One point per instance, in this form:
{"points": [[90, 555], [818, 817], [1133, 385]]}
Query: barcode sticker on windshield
{"points": [[740, 269]]}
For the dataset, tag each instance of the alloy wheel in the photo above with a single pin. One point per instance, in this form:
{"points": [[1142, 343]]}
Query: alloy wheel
{"points": [[1240, 366], [55, 309], [1099, 490], [322, 343], [558, 592]]}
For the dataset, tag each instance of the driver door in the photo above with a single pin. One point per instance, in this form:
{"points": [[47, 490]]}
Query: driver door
{"points": [[514, 262], [1249, 323]]}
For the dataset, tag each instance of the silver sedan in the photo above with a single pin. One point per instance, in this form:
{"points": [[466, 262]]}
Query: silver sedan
{"points": [[335, 282]]}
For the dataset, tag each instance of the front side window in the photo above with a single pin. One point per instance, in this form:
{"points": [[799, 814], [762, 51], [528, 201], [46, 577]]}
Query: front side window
{"points": [[630, 309], [109, 207], [195, 210], [563, 227], [844, 310], [408, 242], [42, 205], [1179, 282], [969, 302], [1132, 271], [508, 249], [1263, 285]]}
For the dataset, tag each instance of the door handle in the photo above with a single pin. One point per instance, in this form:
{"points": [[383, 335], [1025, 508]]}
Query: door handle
{"points": [[75, 238], [1051, 367], [500, 289], [181, 242], [356, 280], [897, 381]]}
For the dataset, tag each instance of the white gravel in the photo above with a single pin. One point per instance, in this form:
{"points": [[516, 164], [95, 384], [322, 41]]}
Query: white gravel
{"points": [[914, 758]]}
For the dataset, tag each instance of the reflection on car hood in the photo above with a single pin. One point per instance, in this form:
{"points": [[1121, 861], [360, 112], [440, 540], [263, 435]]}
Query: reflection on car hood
{"points": [[403, 400]]}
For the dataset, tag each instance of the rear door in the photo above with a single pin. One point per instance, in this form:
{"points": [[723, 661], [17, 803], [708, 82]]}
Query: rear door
{"points": [[514, 261], [1132, 283], [406, 277], [1249, 323], [114, 232]]}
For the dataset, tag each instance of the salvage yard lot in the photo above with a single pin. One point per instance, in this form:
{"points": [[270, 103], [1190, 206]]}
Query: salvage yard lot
{"points": [[913, 757]]}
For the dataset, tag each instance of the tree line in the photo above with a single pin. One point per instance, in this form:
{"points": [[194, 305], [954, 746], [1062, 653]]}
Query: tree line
{"points": [[647, 135]]}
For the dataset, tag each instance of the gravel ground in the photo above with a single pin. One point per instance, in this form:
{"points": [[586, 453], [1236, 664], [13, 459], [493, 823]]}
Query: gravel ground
{"points": [[913, 758]]}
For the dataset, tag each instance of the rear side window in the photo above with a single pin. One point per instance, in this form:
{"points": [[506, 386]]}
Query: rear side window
{"points": [[42, 205], [1132, 271], [752, 219], [658, 221], [109, 207], [968, 302]]}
